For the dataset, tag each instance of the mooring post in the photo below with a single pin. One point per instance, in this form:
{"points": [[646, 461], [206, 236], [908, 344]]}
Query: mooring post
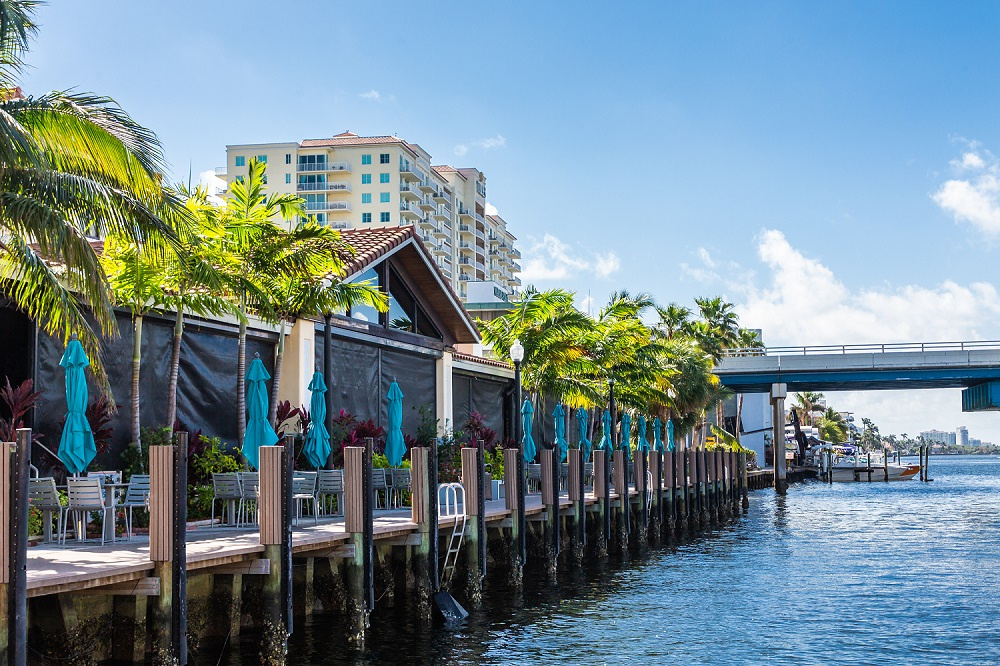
{"points": [[670, 496], [778, 393], [574, 489], [168, 548], [680, 469], [14, 462], [720, 485], [472, 482], [927, 463], [710, 478], [420, 515], [744, 481], [602, 494], [620, 474], [512, 499], [358, 507], [550, 501], [274, 499], [656, 509], [703, 485], [734, 482]]}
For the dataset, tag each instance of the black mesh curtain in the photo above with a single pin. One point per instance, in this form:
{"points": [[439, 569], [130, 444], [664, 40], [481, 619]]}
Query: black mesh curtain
{"points": [[477, 394]]}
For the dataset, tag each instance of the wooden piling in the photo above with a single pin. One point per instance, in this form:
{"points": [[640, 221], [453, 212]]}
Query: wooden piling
{"points": [[670, 491], [682, 462], [518, 530], [474, 563], [273, 499], [704, 515], [357, 507], [620, 480], [744, 481], [167, 546], [602, 493], [656, 509], [550, 500], [778, 393], [574, 488], [424, 566], [15, 459]]}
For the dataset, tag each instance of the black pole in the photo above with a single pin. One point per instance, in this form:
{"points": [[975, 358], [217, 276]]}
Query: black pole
{"points": [[556, 475], [368, 538], [607, 467], [481, 504], [287, 511], [522, 525], [432, 510], [179, 561], [328, 375], [17, 589]]}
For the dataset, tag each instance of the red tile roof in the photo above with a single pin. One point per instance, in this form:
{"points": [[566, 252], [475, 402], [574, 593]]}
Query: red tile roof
{"points": [[485, 361], [350, 139], [444, 168], [371, 244]]}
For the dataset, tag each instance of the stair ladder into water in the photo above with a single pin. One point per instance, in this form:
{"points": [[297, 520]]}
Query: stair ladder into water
{"points": [[451, 502]]}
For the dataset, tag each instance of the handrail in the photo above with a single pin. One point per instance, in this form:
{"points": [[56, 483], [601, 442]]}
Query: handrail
{"points": [[883, 348]]}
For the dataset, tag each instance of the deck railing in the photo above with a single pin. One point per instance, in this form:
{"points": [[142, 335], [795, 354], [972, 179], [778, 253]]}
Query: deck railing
{"points": [[874, 348]]}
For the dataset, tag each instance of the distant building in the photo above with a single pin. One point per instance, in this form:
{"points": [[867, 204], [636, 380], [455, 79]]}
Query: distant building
{"points": [[962, 436], [939, 437]]}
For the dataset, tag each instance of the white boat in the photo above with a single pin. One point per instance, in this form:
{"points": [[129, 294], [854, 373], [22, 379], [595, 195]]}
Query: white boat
{"points": [[851, 464]]}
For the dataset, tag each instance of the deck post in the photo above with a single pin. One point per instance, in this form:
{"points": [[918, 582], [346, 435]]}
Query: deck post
{"points": [[656, 472], [620, 474], [603, 495], [512, 494], [472, 480], [358, 523], [273, 498], [574, 489], [550, 501], [734, 483], [670, 491], [778, 394], [711, 476], [680, 483], [744, 482], [719, 487], [168, 548], [14, 463], [700, 453], [639, 467], [426, 584]]}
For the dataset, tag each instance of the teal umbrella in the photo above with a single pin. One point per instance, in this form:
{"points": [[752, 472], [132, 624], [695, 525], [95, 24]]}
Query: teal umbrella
{"points": [[658, 434], [259, 431], [626, 442], [606, 440], [395, 447], [670, 434], [317, 445], [643, 443], [581, 422], [559, 414], [527, 441], [77, 447]]}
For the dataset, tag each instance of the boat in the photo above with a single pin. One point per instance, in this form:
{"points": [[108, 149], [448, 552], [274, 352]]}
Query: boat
{"points": [[850, 463]]}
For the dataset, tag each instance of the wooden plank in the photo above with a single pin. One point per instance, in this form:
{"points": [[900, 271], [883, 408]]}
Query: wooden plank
{"points": [[470, 478], [600, 472], [140, 587], [546, 460], [269, 494], [345, 551], [161, 503], [6, 453], [619, 477], [510, 477], [412, 539], [418, 488], [260, 566], [637, 473], [354, 507], [573, 485]]}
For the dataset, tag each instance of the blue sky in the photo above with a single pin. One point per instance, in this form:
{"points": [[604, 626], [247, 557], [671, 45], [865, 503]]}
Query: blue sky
{"points": [[829, 168]]}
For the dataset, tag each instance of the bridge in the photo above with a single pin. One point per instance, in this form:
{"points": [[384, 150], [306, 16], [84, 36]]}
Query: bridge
{"points": [[974, 366]]}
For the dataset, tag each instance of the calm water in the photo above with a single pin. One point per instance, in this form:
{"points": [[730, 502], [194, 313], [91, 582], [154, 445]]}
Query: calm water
{"points": [[899, 573]]}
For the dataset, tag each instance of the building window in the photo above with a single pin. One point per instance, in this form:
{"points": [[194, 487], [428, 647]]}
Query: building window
{"points": [[263, 179], [241, 160], [383, 178], [262, 159], [383, 217], [288, 158], [366, 217], [366, 159], [239, 179], [383, 197], [366, 197], [288, 179], [366, 179], [383, 158]]}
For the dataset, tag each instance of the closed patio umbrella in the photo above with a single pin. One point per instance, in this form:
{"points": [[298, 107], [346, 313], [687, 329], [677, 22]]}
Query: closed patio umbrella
{"points": [[581, 422], [259, 431], [670, 434], [643, 443], [527, 441], [76, 447], [395, 447], [317, 445], [559, 414], [626, 440], [658, 434], [606, 438]]}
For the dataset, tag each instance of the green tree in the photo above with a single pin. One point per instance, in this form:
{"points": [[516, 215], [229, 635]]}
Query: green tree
{"points": [[72, 166], [808, 402], [832, 427]]}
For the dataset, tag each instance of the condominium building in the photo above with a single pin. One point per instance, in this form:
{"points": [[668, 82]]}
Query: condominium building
{"points": [[357, 182]]}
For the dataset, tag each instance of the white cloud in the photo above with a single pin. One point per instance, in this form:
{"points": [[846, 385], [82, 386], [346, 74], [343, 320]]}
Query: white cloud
{"points": [[497, 141], [461, 149], [375, 96], [585, 304], [552, 259], [212, 184], [804, 303], [491, 209], [974, 194], [706, 258]]}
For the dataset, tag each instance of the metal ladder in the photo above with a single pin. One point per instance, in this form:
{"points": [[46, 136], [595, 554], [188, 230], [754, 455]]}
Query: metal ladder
{"points": [[451, 504]]}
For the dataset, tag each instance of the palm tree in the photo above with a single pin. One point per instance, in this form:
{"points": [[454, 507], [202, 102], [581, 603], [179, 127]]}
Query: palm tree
{"points": [[674, 319], [807, 403], [72, 166], [722, 323], [747, 340], [832, 426]]}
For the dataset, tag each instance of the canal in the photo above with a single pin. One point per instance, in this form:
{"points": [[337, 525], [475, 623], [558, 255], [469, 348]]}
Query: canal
{"points": [[896, 573]]}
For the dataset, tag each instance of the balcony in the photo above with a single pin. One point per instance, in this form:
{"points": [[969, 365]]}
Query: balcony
{"points": [[428, 223], [441, 233], [480, 219], [335, 188], [516, 267], [480, 235], [440, 196], [342, 167], [465, 261], [465, 277], [428, 187], [425, 237], [466, 213], [443, 213], [408, 193], [426, 204], [406, 223], [464, 246], [495, 240], [465, 229], [407, 212], [407, 173], [339, 225], [331, 206], [515, 253]]}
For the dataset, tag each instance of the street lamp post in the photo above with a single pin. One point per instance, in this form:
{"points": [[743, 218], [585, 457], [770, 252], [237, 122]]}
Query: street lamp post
{"points": [[517, 355]]}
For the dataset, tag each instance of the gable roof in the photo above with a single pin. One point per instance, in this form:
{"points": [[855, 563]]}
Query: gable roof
{"points": [[373, 245]]}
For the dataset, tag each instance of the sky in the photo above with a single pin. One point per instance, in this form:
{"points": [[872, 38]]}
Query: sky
{"points": [[829, 168]]}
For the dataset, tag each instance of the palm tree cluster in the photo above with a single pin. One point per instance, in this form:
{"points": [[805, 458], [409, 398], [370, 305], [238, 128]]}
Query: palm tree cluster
{"points": [[813, 411], [659, 358], [88, 224]]}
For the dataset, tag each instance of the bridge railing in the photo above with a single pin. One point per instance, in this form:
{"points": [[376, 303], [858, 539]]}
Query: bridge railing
{"points": [[886, 348]]}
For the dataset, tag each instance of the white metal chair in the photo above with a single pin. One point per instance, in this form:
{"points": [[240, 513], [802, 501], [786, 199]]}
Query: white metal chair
{"points": [[379, 485], [534, 478], [304, 490], [42, 495], [250, 486], [86, 496], [401, 481], [136, 497], [226, 488], [330, 483]]}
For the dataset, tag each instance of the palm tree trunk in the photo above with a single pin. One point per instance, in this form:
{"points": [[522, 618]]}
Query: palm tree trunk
{"points": [[175, 365], [739, 418], [273, 412], [136, 360], [241, 371]]}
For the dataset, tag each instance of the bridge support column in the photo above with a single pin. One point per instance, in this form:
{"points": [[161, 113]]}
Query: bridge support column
{"points": [[778, 394]]}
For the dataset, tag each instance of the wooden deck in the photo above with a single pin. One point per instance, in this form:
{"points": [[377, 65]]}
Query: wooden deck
{"points": [[54, 568]]}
